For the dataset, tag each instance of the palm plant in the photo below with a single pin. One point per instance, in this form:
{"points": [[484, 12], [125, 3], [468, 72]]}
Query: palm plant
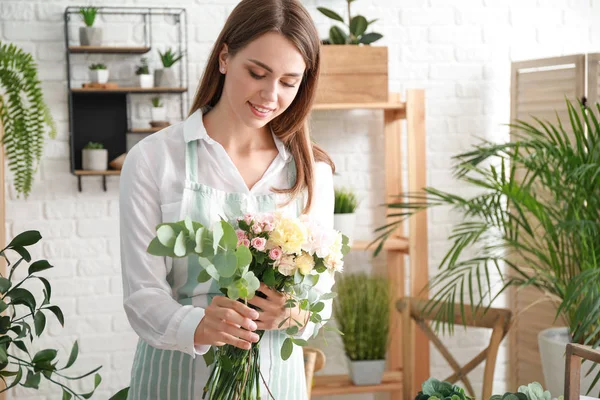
{"points": [[24, 115], [537, 213]]}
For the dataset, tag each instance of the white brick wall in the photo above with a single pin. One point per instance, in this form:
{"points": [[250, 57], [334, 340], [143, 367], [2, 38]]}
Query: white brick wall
{"points": [[458, 50]]}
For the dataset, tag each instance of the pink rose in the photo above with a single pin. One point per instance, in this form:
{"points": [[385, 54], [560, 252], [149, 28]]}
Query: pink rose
{"points": [[259, 243], [275, 253], [256, 228], [241, 234], [267, 227], [248, 218], [246, 242]]}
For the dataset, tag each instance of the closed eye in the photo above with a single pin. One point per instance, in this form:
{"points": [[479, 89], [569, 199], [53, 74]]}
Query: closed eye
{"points": [[259, 77]]}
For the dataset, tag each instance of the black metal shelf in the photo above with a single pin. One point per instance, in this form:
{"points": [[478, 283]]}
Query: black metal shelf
{"points": [[104, 115]]}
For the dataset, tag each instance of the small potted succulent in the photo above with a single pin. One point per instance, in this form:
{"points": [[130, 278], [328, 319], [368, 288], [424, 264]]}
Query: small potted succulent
{"points": [[146, 79], [94, 157], [89, 35], [344, 217], [98, 73], [165, 77], [432, 389], [158, 111], [361, 310]]}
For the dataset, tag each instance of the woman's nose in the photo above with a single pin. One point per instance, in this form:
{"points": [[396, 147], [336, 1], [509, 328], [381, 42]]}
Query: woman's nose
{"points": [[269, 92]]}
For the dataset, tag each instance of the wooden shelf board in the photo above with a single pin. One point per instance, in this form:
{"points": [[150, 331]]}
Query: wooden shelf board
{"points": [[90, 173], [145, 130], [400, 244], [125, 89], [328, 385], [109, 49], [401, 106]]}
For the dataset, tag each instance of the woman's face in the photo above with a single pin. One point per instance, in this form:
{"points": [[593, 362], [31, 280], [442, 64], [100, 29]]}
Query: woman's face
{"points": [[262, 79]]}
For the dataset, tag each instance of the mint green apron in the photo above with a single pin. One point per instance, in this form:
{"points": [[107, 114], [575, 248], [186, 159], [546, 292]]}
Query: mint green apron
{"points": [[171, 374]]}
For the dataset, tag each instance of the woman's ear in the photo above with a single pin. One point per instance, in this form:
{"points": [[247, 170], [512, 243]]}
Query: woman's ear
{"points": [[223, 57]]}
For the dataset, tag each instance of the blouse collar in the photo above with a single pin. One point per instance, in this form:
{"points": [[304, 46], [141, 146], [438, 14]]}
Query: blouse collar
{"points": [[193, 129]]}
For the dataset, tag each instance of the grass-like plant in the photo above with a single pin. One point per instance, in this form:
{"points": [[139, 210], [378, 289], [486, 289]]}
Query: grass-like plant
{"points": [[89, 15], [169, 57], [24, 115], [93, 146], [345, 201], [357, 27], [97, 66], [361, 310], [536, 212], [156, 102]]}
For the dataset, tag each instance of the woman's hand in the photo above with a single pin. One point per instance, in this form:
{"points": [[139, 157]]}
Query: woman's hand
{"points": [[222, 324], [273, 310]]}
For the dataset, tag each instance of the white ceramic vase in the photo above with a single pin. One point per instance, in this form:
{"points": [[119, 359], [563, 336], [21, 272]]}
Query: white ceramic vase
{"points": [[99, 75], [94, 159], [165, 77], [345, 223], [366, 372], [146, 81], [90, 36], [159, 113], [553, 343]]}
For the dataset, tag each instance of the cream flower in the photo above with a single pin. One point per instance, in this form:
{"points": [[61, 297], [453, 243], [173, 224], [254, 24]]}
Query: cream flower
{"points": [[305, 263], [289, 234], [286, 265]]}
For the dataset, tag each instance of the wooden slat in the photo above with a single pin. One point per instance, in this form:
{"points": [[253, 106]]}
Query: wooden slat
{"points": [[90, 173], [396, 244], [567, 74], [389, 105], [145, 130], [575, 354], [109, 49], [375, 60], [125, 89], [329, 385]]}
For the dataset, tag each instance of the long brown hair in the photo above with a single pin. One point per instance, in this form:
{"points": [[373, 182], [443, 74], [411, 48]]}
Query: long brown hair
{"points": [[249, 20]]}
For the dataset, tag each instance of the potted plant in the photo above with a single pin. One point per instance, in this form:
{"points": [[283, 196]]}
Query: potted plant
{"points": [[88, 35], [361, 310], [94, 157], [158, 111], [344, 216], [433, 389], [146, 79], [352, 71], [98, 73], [165, 77], [537, 212]]}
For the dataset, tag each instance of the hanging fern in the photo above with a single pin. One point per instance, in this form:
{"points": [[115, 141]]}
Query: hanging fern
{"points": [[24, 115]]}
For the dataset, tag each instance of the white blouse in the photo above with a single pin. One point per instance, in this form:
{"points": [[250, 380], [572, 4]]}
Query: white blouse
{"points": [[151, 188]]}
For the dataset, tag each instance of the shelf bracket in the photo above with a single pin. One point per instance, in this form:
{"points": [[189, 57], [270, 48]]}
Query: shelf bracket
{"points": [[79, 183], [104, 182]]}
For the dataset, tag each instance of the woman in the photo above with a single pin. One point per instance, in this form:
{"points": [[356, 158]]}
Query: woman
{"points": [[244, 148]]}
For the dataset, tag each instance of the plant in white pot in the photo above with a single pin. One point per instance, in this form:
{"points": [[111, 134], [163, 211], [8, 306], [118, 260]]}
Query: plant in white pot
{"points": [[94, 157], [361, 310], [536, 213], [165, 77], [146, 79], [344, 214], [158, 111], [89, 35], [98, 73]]}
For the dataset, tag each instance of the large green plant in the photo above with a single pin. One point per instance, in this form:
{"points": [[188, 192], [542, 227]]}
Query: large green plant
{"points": [[357, 27], [361, 311], [24, 115], [537, 213]]}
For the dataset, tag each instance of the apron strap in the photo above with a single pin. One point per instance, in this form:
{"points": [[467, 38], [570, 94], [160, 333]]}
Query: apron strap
{"points": [[191, 161]]}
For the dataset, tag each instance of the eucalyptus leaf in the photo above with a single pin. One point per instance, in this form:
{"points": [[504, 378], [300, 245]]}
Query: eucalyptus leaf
{"points": [[226, 263], [199, 240], [180, 245], [287, 348], [166, 235], [244, 257]]}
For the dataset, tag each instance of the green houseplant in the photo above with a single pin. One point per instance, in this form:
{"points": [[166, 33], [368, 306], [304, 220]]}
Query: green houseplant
{"points": [[165, 77], [344, 214], [98, 73], [146, 79], [24, 115], [94, 157], [158, 111], [433, 389], [88, 34], [357, 27], [536, 213], [361, 311]]}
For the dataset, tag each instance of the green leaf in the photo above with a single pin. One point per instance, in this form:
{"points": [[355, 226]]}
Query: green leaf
{"points": [[121, 394], [300, 342], [287, 348], [44, 355], [23, 253], [252, 280], [3, 355], [166, 235], [292, 330], [22, 296], [3, 306], [5, 284], [26, 238], [226, 263], [180, 245], [33, 380], [369, 38], [48, 288], [73, 355], [330, 14], [269, 277], [358, 25], [21, 346], [97, 380], [39, 322], [226, 363], [229, 239], [199, 240], [158, 249], [203, 276], [328, 296], [209, 356], [317, 307], [337, 36], [244, 256], [59, 315], [38, 266]]}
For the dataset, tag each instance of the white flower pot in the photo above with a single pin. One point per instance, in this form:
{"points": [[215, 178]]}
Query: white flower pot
{"points": [[366, 372], [159, 113], [553, 343], [345, 223], [99, 75], [94, 159], [90, 36], [146, 80]]}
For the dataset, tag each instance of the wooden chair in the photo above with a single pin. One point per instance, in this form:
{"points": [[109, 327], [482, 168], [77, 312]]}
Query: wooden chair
{"points": [[495, 318], [314, 360], [575, 354]]}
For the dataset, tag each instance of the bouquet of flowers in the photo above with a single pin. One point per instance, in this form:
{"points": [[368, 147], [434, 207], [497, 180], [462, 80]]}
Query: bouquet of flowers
{"points": [[288, 255]]}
